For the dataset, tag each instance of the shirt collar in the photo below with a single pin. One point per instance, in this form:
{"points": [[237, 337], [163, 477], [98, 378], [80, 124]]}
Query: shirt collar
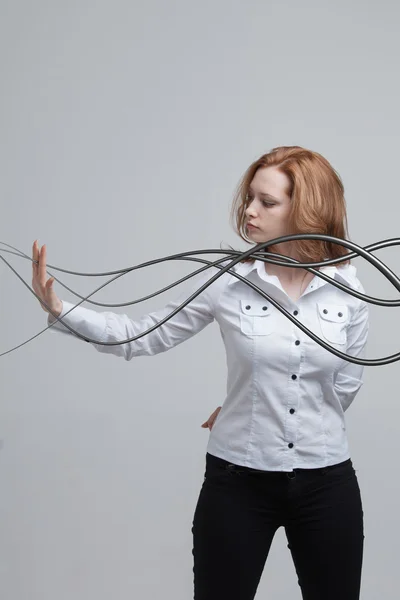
{"points": [[345, 272]]}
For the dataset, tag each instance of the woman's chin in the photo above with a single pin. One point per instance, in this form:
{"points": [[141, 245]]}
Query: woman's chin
{"points": [[257, 235]]}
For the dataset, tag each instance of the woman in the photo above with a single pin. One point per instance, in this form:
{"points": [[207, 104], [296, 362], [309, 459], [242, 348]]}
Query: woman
{"points": [[278, 453]]}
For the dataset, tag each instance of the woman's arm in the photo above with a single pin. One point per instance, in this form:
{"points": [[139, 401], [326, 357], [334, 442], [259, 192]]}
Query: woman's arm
{"points": [[109, 326], [349, 377]]}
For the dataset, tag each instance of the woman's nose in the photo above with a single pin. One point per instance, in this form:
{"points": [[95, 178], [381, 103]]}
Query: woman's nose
{"points": [[250, 211]]}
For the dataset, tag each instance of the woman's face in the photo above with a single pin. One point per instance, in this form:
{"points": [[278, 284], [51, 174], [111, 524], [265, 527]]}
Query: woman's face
{"points": [[269, 205]]}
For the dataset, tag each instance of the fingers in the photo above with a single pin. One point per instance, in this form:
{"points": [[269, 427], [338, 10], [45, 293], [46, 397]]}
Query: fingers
{"points": [[35, 257], [39, 284], [210, 421], [42, 265]]}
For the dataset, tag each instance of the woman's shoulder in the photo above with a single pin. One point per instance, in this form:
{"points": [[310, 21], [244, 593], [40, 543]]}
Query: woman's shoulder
{"points": [[220, 282], [348, 272], [350, 278]]}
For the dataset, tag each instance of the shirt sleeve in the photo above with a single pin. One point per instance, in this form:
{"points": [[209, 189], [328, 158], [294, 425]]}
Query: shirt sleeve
{"points": [[109, 326], [349, 377]]}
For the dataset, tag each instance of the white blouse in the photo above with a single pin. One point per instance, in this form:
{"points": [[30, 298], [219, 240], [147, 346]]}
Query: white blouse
{"points": [[286, 394]]}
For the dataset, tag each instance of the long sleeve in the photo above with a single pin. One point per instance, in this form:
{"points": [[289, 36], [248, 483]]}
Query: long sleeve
{"points": [[109, 326], [349, 377]]}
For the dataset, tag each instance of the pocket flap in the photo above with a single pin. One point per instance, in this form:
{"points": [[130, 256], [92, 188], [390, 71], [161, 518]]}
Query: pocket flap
{"points": [[256, 308], [336, 313]]}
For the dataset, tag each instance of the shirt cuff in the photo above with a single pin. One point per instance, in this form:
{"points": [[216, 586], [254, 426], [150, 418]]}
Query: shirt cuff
{"points": [[87, 322]]}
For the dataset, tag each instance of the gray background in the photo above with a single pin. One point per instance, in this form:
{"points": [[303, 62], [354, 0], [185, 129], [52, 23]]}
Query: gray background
{"points": [[125, 127]]}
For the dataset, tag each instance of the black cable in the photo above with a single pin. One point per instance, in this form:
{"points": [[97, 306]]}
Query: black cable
{"points": [[255, 253]]}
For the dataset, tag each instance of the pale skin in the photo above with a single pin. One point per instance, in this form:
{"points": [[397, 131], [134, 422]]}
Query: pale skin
{"points": [[268, 210]]}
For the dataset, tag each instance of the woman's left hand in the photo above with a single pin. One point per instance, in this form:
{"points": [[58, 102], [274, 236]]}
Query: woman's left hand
{"points": [[210, 421]]}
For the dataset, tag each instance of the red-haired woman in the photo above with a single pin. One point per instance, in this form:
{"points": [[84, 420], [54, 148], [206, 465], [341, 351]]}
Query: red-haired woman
{"points": [[278, 452]]}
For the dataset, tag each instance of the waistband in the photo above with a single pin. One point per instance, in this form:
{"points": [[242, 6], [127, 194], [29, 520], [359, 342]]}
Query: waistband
{"points": [[228, 465]]}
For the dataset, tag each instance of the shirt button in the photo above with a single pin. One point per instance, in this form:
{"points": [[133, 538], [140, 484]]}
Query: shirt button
{"points": [[291, 411], [295, 312], [297, 342], [290, 445], [294, 376], [248, 307], [340, 314], [325, 311], [265, 308]]}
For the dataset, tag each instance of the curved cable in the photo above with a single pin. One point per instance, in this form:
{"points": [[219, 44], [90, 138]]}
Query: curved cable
{"points": [[252, 253], [256, 255]]}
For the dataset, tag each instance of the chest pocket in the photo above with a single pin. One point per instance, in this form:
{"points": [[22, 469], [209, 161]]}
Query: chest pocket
{"points": [[257, 317], [333, 320]]}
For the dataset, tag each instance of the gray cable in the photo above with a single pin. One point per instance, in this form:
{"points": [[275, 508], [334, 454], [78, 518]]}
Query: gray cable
{"points": [[256, 253]]}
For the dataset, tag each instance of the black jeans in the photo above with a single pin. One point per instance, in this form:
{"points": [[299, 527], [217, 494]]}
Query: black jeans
{"points": [[239, 510]]}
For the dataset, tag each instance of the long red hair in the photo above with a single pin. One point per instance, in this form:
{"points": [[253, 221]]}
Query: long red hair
{"points": [[317, 198]]}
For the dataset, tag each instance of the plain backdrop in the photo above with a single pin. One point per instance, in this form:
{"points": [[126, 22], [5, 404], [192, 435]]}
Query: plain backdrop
{"points": [[125, 127]]}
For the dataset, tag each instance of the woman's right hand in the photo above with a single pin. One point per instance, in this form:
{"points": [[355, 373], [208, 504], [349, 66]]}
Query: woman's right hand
{"points": [[44, 289]]}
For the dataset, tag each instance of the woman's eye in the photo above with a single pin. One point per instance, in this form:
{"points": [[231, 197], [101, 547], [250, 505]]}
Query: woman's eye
{"points": [[263, 202]]}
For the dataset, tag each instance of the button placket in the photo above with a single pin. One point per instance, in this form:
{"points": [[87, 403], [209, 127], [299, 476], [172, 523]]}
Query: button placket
{"points": [[292, 410], [291, 421]]}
